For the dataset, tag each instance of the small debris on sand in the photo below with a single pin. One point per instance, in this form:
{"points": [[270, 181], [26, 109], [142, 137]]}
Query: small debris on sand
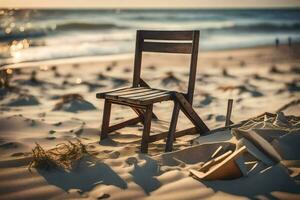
{"points": [[64, 156]]}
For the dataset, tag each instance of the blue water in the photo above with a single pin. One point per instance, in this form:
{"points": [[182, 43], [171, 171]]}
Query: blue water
{"points": [[29, 35]]}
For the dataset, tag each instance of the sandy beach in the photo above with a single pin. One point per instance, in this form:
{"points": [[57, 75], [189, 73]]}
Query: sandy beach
{"points": [[50, 103]]}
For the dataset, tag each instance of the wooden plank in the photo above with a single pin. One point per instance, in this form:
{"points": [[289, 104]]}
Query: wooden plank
{"points": [[228, 113], [128, 91], [123, 103], [156, 99], [191, 113], [184, 48], [137, 59], [146, 131], [149, 95], [101, 95], [160, 136], [105, 119], [139, 102], [124, 124], [116, 96], [172, 128], [167, 35], [225, 170], [138, 95]]}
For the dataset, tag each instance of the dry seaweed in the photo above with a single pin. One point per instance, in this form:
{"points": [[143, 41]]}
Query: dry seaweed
{"points": [[64, 156]]}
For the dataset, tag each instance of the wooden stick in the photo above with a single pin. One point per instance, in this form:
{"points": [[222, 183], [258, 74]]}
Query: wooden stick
{"points": [[228, 113]]}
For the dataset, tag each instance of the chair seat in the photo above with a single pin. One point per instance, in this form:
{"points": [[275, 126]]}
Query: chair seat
{"points": [[136, 95]]}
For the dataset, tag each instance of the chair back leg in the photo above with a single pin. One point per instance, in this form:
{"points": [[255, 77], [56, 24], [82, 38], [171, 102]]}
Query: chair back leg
{"points": [[146, 131], [172, 128], [105, 119]]}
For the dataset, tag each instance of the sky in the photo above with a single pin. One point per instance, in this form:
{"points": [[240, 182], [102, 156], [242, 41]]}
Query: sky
{"points": [[106, 4]]}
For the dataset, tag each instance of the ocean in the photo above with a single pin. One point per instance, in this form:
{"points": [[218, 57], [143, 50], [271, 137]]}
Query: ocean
{"points": [[35, 35]]}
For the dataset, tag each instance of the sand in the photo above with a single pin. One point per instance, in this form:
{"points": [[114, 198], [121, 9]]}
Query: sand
{"points": [[53, 102]]}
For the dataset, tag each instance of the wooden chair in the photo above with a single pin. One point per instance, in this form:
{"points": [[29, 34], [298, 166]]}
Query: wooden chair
{"points": [[141, 97]]}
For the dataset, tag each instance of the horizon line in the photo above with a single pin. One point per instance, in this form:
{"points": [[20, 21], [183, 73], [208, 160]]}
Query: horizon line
{"points": [[150, 8]]}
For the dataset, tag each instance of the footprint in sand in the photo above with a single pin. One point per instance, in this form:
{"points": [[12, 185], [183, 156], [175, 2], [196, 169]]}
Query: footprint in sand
{"points": [[220, 118], [295, 69], [127, 70], [73, 103], [50, 138], [19, 154], [117, 82], [261, 78], [103, 196], [92, 86], [131, 160], [9, 145], [206, 101], [151, 67], [226, 74], [293, 86], [209, 116], [24, 100], [101, 77], [114, 155], [109, 68], [242, 89], [57, 124], [170, 79], [75, 191], [274, 69]]}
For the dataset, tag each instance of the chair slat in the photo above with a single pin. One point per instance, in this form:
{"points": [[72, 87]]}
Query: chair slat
{"points": [[142, 94], [157, 98], [167, 35], [150, 96], [184, 48], [143, 98], [129, 91], [102, 94]]}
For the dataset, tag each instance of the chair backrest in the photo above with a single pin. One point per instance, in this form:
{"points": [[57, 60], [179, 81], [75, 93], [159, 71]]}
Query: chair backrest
{"points": [[165, 42]]}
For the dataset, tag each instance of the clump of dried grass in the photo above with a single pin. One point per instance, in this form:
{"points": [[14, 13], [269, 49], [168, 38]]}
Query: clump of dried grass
{"points": [[64, 156]]}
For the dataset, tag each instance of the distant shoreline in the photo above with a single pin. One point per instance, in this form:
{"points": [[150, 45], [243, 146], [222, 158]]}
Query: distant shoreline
{"points": [[118, 57]]}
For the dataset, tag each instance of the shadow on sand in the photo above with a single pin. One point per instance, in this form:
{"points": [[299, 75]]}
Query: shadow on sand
{"points": [[85, 177], [143, 174]]}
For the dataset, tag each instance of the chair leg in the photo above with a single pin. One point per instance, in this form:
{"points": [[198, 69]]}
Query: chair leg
{"points": [[172, 129], [188, 110], [146, 131], [105, 119]]}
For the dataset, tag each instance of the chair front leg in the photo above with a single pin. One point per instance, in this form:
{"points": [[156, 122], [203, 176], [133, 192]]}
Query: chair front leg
{"points": [[105, 119], [172, 128], [146, 131]]}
